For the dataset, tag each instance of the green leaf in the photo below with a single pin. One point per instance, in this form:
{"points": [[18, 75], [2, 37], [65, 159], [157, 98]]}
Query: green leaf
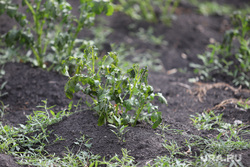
{"points": [[156, 118], [144, 75], [88, 145], [11, 11], [70, 105], [118, 120], [52, 113], [150, 107], [68, 91], [21, 19], [152, 96], [97, 83], [72, 87], [149, 89], [156, 123], [101, 120], [126, 119], [128, 104], [11, 37], [65, 71], [162, 98], [110, 10], [131, 72]]}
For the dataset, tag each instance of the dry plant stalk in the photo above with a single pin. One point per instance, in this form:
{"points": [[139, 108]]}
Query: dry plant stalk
{"points": [[201, 89], [228, 101]]}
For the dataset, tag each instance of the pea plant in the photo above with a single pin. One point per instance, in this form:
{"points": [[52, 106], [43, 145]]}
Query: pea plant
{"points": [[116, 95], [231, 58], [50, 34], [146, 10]]}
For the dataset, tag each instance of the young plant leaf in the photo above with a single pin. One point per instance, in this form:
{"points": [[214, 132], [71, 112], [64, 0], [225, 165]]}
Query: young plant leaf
{"points": [[156, 119], [162, 98]]}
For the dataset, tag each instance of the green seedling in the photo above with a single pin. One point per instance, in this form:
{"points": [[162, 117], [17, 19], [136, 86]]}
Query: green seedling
{"points": [[227, 58], [245, 105], [51, 34], [83, 141], [150, 59], [115, 161], [27, 142], [120, 129], [173, 148], [168, 162], [214, 146], [149, 37], [120, 132], [165, 129], [17, 139], [58, 138], [1, 88], [226, 141], [208, 8], [82, 158], [167, 10], [6, 55], [206, 120], [2, 108], [210, 121], [114, 93], [146, 10], [225, 147], [129, 55], [123, 52], [43, 118], [101, 33]]}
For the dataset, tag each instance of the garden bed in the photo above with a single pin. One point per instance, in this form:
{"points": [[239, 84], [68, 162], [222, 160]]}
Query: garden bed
{"points": [[188, 36]]}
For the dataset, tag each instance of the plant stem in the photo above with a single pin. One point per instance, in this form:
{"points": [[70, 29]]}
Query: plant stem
{"points": [[78, 29], [138, 112], [39, 31], [38, 58], [93, 61]]}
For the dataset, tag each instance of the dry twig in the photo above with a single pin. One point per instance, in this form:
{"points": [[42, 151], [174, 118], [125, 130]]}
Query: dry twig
{"points": [[228, 101], [200, 90]]}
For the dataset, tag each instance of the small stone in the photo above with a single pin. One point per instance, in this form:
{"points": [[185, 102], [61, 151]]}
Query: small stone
{"points": [[184, 56], [212, 40], [237, 122]]}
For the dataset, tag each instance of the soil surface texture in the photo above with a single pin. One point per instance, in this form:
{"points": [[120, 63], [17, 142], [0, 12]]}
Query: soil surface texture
{"points": [[188, 36]]}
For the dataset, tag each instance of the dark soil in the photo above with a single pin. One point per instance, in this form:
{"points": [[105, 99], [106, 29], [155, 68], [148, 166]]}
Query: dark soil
{"points": [[189, 34], [7, 161]]}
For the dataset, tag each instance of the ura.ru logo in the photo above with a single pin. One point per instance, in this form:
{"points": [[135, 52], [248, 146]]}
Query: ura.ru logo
{"points": [[233, 159]]}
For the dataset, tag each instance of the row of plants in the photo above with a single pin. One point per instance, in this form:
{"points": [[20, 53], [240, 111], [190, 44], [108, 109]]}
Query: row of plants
{"points": [[47, 34], [122, 98], [27, 142], [207, 8], [152, 11], [51, 34], [231, 58]]}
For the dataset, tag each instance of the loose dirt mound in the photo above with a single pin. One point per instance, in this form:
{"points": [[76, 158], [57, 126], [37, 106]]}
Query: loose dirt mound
{"points": [[141, 140], [7, 161]]}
